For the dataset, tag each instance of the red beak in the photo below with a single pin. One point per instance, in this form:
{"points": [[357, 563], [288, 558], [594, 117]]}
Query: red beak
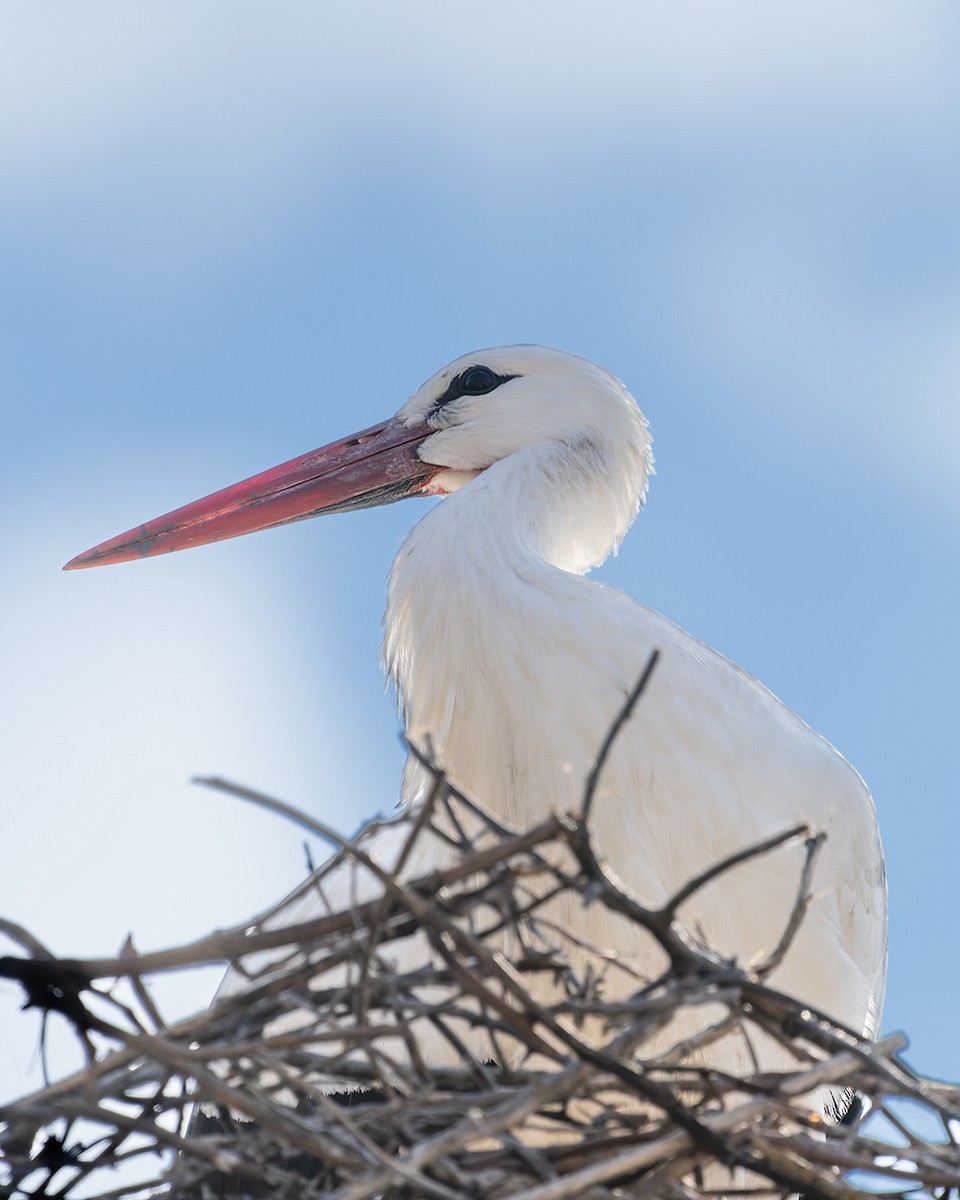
{"points": [[377, 466]]}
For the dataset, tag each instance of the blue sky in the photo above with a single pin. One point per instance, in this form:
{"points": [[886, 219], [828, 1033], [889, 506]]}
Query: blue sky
{"points": [[232, 232]]}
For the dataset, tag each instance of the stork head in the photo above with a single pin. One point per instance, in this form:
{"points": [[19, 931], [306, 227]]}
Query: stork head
{"points": [[483, 409], [559, 423]]}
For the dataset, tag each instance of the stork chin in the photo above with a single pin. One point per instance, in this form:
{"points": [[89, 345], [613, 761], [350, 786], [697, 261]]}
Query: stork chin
{"points": [[448, 480]]}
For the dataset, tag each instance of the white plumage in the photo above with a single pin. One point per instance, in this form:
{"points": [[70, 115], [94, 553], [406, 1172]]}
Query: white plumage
{"points": [[515, 665]]}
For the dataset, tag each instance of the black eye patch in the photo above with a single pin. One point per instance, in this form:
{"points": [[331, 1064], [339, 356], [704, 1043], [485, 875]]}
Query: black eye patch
{"points": [[474, 381]]}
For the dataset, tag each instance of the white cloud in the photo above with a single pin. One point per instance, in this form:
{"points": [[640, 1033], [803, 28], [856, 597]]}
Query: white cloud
{"points": [[238, 75]]}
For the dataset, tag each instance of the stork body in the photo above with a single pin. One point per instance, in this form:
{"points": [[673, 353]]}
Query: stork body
{"points": [[515, 665], [519, 702]]}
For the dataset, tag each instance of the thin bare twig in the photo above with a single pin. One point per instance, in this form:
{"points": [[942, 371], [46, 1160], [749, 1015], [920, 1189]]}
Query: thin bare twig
{"points": [[589, 791]]}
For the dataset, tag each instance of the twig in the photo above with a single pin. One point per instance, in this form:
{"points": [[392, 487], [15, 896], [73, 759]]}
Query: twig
{"points": [[621, 719]]}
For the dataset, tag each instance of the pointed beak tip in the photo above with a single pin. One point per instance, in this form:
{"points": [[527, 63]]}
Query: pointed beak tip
{"points": [[118, 550]]}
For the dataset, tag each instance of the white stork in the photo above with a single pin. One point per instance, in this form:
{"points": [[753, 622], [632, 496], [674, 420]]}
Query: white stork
{"points": [[515, 664]]}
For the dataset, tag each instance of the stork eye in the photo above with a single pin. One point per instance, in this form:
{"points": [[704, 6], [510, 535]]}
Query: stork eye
{"points": [[478, 381], [474, 381]]}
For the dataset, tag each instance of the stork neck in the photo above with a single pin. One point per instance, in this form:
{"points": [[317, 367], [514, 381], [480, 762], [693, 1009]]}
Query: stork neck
{"points": [[480, 611], [564, 504]]}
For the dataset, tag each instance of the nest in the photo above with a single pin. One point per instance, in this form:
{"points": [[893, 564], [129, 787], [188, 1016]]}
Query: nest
{"points": [[314, 1075]]}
